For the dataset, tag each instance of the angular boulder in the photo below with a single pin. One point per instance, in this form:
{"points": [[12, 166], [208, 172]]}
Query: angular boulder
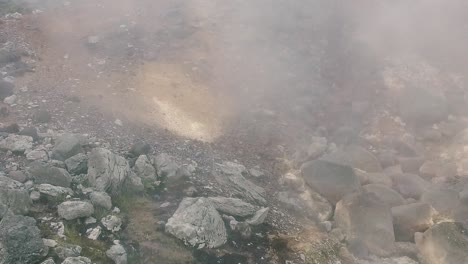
{"points": [[66, 146], [20, 240], [367, 222], [444, 243], [70, 210], [14, 196], [16, 143], [331, 180], [45, 173], [118, 254], [77, 164], [165, 165], [106, 170], [77, 260], [411, 218], [197, 223]]}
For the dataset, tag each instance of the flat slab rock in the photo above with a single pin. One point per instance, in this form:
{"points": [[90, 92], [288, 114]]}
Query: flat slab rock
{"points": [[231, 178]]}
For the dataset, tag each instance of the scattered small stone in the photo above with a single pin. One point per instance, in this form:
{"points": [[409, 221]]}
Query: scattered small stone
{"points": [[118, 122], [257, 173], [42, 116], [164, 205], [112, 223], [35, 196], [90, 220], [116, 210], [93, 40], [49, 242], [117, 253], [10, 100], [93, 233]]}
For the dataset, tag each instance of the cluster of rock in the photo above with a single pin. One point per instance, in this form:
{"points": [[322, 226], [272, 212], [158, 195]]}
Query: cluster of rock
{"points": [[76, 180], [384, 205]]}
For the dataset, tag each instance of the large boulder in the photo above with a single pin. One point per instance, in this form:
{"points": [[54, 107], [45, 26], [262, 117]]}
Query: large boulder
{"points": [[165, 165], [411, 218], [363, 159], [106, 170], [331, 180], [234, 182], [444, 243], [16, 143], [49, 190], [233, 206], [409, 185], [77, 164], [367, 222], [45, 173], [20, 240], [66, 146], [14, 196], [70, 210], [197, 223], [308, 203], [385, 194]]}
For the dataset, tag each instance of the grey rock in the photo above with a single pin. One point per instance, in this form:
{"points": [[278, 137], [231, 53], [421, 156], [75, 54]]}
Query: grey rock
{"points": [[257, 173], [77, 164], [411, 218], [431, 106], [42, 116], [411, 164], [444, 243], [18, 176], [29, 131], [144, 169], [16, 143], [20, 240], [233, 181], [35, 196], [53, 191], [385, 194], [77, 260], [331, 180], [14, 196], [444, 200], [409, 185], [101, 199], [165, 165], [93, 233], [40, 155], [49, 242], [45, 173], [363, 159], [10, 99], [3, 210], [233, 206], [133, 183], [118, 254], [106, 170], [65, 251], [259, 217], [366, 221], [393, 260], [308, 203], [70, 210], [112, 223], [431, 169], [197, 223], [373, 177], [48, 261], [140, 148], [291, 181], [66, 146], [6, 89]]}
